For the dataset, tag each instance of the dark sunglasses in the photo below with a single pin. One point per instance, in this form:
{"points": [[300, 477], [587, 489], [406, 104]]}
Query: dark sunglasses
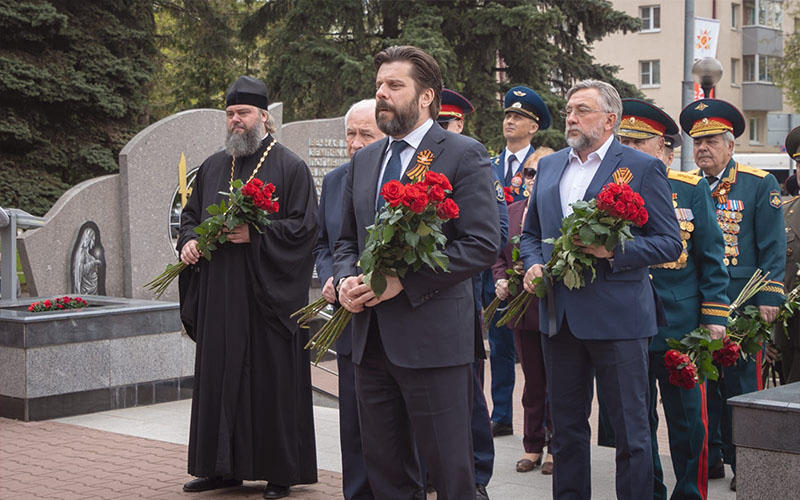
{"points": [[529, 172]]}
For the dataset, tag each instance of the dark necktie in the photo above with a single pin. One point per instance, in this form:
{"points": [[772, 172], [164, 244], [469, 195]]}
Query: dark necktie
{"points": [[393, 168], [510, 172], [711, 179]]}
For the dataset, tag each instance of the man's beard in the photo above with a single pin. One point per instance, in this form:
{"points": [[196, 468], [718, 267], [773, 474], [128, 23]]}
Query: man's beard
{"points": [[404, 118], [584, 141], [245, 143]]}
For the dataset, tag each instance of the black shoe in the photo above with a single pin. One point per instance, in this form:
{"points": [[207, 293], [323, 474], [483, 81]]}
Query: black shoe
{"points": [[276, 491], [210, 483], [733, 483], [480, 492], [716, 471], [499, 429]]}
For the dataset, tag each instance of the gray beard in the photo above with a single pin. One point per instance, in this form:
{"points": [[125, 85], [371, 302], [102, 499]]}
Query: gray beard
{"points": [[584, 141], [243, 144]]}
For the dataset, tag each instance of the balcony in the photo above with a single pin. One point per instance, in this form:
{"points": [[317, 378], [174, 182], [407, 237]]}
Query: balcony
{"points": [[761, 97]]}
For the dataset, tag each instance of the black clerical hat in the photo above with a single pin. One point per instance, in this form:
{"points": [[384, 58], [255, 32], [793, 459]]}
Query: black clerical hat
{"points": [[247, 90]]}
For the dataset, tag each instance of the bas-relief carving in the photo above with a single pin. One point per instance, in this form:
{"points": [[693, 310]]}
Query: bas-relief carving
{"points": [[88, 262]]}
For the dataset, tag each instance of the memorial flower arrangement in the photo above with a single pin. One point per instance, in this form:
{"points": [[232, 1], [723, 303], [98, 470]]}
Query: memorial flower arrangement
{"points": [[58, 304], [250, 203], [691, 359], [604, 221], [406, 234]]}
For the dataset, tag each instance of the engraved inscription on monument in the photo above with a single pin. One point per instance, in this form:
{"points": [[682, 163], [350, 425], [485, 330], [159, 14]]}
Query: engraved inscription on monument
{"points": [[324, 155]]}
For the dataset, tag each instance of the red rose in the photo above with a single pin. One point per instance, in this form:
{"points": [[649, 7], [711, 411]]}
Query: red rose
{"points": [[47, 303], [637, 198], [509, 198], [436, 193], [618, 210], [393, 192], [673, 359], [275, 207], [685, 377], [32, 306], [259, 200], [614, 189], [436, 179], [729, 354], [641, 217], [60, 306], [416, 192], [250, 189], [269, 190], [447, 210]]}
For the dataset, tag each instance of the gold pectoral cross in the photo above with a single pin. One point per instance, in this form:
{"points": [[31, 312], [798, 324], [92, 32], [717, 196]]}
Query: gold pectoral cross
{"points": [[182, 188]]}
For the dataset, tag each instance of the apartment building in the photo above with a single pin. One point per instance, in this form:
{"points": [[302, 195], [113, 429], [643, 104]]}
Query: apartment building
{"points": [[750, 44]]}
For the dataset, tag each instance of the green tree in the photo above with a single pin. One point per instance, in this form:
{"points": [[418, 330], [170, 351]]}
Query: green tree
{"points": [[320, 51], [788, 71], [73, 84]]}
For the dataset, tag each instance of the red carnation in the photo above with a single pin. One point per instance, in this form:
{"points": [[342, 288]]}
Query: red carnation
{"points": [[447, 210], [393, 192], [436, 179], [729, 354]]}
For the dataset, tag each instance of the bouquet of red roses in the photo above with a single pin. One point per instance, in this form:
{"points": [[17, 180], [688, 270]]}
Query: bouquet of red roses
{"points": [[604, 221], [249, 203], [58, 304], [514, 278], [697, 351], [406, 235]]}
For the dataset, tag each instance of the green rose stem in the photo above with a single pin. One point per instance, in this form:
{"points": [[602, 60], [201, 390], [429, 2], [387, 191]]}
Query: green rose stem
{"points": [[310, 311], [330, 331]]}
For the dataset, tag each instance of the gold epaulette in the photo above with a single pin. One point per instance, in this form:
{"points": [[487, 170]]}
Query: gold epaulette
{"points": [[683, 177], [696, 172], [747, 169], [790, 200]]}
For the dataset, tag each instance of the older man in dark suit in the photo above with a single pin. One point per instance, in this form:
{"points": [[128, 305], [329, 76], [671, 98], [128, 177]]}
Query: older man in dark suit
{"points": [[414, 345], [361, 130], [604, 327]]}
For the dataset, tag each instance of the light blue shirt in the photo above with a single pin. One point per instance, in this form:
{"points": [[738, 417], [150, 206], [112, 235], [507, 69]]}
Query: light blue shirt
{"points": [[519, 155]]}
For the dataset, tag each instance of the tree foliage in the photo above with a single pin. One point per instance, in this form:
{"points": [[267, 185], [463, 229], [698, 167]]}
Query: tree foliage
{"points": [[788, 72], [73, 86], [319, 57]]}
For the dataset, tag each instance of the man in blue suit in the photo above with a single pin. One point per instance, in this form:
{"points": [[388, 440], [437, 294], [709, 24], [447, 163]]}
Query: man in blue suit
{"points": [[361, 129], [525, 114], [414, 345], [602, 329]]}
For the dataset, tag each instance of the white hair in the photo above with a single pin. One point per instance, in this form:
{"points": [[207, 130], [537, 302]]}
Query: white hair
{"points": [[727, 136], [609, 97], [362, 104]]}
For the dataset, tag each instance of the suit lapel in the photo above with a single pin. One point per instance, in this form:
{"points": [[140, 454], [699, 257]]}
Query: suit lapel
{"points": [[552, 193], [371, 169], [607, 167], [433, 142]]}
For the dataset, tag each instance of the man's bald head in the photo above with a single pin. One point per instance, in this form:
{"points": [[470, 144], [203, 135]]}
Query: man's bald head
{"points": [[360, 126]]}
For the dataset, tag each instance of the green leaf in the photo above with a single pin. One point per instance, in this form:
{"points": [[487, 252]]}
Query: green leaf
{"points": [[412, 239], [378, 284], [388, 233], [237, 184], [213, 209], [200, 230], [423, 229], [410, 257]]}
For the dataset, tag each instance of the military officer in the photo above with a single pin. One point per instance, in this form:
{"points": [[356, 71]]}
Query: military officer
{"points": [[525, 114], [748, 206], [693, 290], [671, 142], [789, 342]]}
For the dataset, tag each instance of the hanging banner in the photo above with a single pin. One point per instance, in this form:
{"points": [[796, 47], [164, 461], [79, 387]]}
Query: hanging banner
{"points": [[698, 92], [706, 36]]}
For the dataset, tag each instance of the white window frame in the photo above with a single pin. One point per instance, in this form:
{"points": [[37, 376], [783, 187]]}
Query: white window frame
{"points": [[748, 78], [756, 5], [651, 10], [650, 64], [754, 133], [735, 11], [735, 72]]}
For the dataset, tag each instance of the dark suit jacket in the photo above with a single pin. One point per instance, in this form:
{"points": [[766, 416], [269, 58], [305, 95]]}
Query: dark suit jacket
{"points": [[431, 322], [530, 321], [330, 225], [621, 303]]}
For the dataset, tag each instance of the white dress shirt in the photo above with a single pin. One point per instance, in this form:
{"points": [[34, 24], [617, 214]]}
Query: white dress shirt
{"points": [[413, 139], [578, 175], [520, 156]]}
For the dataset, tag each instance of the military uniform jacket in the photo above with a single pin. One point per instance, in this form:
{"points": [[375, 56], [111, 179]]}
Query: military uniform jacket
{"points": [[791, 218], [748, 207], [517, 185], [694, 288]]}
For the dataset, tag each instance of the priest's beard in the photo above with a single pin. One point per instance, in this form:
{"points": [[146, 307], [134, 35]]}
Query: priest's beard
{"points": [[245, 143], [405, 117], [584, 140]]}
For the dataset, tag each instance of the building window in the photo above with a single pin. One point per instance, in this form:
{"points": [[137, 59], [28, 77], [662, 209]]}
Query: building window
{"points": [[734, 16], [651, 18], [767, 13], [749, 69], [650, 73], [750, 13], [734, 72], [755, 131], [766, 67]]}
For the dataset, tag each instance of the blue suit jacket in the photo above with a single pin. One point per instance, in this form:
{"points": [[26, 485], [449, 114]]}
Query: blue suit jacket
{"points": [[499, 165], [621, 303], [431, 322], [330, 226]]}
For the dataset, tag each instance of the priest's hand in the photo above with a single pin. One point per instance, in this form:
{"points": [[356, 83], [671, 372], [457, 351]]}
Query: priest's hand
{"points": [[393, 287], [328, 291], [715, 331], [240, 234], [190, 254], [536, 271], [768, 313], [351, 289]]}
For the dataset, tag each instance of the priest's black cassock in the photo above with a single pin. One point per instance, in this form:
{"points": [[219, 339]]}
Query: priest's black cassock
{"points": [[251, 406]]}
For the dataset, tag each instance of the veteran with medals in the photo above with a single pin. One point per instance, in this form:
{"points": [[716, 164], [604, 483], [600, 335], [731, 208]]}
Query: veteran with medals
{"points": [[693, 290], [251, 404], [748, 206]]}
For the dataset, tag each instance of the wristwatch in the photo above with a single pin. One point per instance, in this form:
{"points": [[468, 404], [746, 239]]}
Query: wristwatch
{"points": [[339, 283]]}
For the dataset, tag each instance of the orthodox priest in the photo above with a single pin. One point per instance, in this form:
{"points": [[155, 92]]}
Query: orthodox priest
{"points": [[251, 406]]}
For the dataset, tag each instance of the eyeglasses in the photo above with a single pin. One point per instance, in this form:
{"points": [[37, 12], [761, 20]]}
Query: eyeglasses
{"points": [[580, 111], [529, 172]]}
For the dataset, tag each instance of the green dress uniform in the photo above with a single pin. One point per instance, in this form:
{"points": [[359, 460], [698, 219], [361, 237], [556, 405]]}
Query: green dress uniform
{"points": [[748, 207], [693, 291], [789, 342]]}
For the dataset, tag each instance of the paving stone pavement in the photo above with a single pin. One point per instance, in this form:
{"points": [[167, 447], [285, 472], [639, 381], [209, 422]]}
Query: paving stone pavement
{"points": [[68, 462]]}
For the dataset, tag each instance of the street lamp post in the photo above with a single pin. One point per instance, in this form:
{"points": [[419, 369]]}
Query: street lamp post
{"points": [[708, 72]]}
